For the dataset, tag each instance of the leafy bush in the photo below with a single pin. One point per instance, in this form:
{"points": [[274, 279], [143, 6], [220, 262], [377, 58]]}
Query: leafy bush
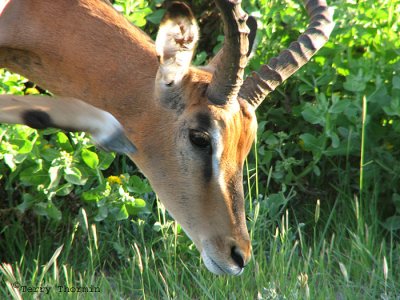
{"points": [[310, 129]]}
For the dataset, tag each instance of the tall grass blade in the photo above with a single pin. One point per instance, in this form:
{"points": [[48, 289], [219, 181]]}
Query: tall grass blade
{"points": [[51, 261], [364, 116]]}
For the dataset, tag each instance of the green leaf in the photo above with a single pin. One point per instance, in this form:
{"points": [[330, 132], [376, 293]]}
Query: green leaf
{"points": [[98, 193], [137, 185], [90, 158], [31, 176], [156, 16], [73, 175], [316, 170], [40, 209], [392, 223], [50, 154], [25, 146], [271, 140], [53, 212], [55, 173], [135, 207], [121, 213], [48, 210], [396, 82], [64, 190], [275, 202], [200, 58], [63, 141], [91, 196], [396, 201], [310, 142], [138, 17], [102, 214], [106, 159], [313, 115], [9, 160], [28, 202], [355, 83], [394, 108], [339, 106], [335, 140]]}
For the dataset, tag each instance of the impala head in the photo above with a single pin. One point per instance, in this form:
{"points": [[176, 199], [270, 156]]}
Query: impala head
{"points": [[208, 125]]}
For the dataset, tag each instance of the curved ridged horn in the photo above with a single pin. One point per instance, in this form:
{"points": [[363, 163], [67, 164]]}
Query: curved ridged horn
{"points": [[252, 24], [228, 75], [257, 86]]}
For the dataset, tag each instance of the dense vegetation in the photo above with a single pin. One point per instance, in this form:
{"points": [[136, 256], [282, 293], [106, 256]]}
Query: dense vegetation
{"points": [[322, 183]]}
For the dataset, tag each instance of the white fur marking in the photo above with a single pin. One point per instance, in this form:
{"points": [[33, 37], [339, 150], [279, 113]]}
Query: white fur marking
{"points": [[218, 147]]}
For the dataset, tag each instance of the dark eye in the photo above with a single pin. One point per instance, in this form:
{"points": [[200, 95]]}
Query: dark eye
{"points": [[199, 139]]}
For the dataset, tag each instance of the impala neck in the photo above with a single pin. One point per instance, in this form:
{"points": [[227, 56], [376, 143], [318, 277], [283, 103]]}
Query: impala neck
{"points": [[83, 49]]}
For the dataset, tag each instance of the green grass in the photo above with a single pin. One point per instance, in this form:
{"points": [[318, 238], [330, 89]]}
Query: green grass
{"points": [[331, 251], [323, 184]]}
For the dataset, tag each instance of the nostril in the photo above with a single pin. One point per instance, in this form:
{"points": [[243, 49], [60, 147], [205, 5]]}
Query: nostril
{"points": [[237, 256]]}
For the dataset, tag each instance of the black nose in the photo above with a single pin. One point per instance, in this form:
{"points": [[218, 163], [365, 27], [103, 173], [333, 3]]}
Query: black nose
{"points": [[237, 256]]}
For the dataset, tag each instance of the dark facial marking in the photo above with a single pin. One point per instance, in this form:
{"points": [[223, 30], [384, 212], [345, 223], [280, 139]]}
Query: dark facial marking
{"points": [[207, 168], [203, 150], [203, 121]]}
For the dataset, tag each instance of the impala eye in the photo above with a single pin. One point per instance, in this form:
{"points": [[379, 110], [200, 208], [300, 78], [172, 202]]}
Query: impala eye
{"points": [[199, 139]]}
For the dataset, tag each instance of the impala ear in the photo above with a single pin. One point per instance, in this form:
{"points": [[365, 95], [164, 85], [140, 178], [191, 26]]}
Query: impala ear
{"points": [[175, 43]]}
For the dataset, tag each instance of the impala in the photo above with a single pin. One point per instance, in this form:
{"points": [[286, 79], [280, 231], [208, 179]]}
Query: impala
{"points": [[188, 129]]}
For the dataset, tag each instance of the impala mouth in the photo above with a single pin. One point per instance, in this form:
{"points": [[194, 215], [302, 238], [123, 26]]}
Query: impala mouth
{"points": [[217, 269]]}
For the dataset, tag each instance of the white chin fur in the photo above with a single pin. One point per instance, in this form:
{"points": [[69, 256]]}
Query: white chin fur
{"points": [[211, 265]]}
